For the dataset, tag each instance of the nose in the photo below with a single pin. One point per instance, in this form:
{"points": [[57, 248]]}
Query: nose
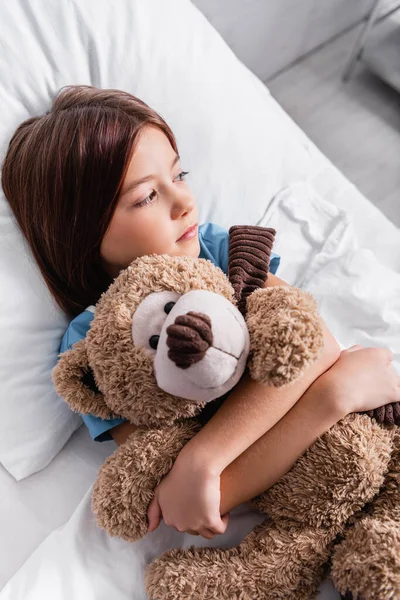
{"points": [[189, 338], [182, 204]]}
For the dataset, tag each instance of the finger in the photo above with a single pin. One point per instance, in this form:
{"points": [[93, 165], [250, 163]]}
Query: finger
{"points": [[225, 519], [385, 353], [352, 348], [220, 526], [217, 526], [388, 354], [154, 514], [207, 533]]}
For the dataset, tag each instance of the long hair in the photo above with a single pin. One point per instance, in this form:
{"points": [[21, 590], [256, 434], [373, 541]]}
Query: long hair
{"points": [[62, 176]]}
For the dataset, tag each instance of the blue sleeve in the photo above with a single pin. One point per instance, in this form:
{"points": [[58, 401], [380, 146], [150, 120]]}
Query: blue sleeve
{"points": [[99, 429], [214, 245]]}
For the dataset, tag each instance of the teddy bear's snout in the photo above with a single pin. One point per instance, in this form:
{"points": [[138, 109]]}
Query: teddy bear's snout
{"points": [[189, 338], [202, 347]]}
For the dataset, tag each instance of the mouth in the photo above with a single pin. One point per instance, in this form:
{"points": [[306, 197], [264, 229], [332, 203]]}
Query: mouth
{"points": [[188, 234]]}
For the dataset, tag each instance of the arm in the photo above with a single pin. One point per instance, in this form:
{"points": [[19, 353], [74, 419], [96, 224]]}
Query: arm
{"points": [[273, 455], [361, 379], [120, 433]]}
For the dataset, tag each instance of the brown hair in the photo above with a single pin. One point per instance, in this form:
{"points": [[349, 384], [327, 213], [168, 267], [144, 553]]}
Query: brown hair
{"points": [[62, 175]]}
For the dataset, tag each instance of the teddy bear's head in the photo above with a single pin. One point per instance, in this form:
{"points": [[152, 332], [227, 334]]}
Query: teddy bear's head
{"points": [[166, 338]]}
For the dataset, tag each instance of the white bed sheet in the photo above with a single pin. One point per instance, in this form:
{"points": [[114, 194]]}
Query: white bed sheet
{"points": [[32, 508]]}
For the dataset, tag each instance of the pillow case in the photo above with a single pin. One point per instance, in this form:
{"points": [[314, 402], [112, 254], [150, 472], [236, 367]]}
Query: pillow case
{"points": [[238, 154]]}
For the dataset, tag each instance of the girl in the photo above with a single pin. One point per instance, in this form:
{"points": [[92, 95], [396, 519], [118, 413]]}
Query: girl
{"points": [[96, 182]]}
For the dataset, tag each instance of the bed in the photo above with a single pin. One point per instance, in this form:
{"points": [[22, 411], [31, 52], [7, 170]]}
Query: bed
{"points": [[250, 163]]}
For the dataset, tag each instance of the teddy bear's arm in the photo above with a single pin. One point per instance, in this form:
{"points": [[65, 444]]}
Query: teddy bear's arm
{"points": [[126, 481], [286, 334]]}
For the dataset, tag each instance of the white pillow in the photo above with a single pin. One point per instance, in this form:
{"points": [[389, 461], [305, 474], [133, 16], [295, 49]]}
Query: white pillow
{"points": [[238, 154]]}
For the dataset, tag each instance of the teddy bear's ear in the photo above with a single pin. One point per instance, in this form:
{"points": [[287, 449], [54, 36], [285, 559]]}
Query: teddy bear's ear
{"points": [[248, 260], [74, 381]]}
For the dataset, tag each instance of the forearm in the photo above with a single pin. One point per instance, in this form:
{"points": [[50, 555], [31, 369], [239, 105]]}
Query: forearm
{"points": [[270, 457], [250, 410], [120, 433]]}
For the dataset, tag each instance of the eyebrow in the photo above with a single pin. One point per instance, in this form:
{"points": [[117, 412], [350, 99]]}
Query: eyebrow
{"points": [[133, 184]]}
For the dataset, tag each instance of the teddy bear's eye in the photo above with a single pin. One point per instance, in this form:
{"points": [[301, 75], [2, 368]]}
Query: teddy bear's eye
{"points": [[168, 307], [153, 341], [150, 319]]}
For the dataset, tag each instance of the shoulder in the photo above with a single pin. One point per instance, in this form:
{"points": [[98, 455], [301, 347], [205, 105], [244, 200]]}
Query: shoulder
{"points": [[212, 233], [77, 329]]}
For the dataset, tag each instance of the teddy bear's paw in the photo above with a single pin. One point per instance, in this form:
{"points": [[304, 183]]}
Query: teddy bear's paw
{"points": [[286, 334], [366, 564], [272, 563]]}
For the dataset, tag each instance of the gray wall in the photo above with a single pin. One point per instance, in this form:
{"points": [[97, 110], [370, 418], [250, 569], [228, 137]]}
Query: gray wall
{"points": [[268, 35]]}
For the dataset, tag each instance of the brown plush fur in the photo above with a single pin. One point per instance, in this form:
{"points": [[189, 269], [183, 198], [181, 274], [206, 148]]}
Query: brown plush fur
{"points": [[256, 570], [366, 564], [355, 445], [286, 334], [307, 508]]}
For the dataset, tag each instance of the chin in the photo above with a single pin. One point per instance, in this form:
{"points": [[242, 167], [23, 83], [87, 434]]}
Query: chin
{"points": [[195, 248], [190, 248]]}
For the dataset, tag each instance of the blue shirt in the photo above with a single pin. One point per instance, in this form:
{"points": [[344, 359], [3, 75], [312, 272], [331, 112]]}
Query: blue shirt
{"points": [[214, 246]]}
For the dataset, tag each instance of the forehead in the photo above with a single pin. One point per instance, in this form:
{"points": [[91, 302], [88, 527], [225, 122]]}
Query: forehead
{"points": [[153, 152]]}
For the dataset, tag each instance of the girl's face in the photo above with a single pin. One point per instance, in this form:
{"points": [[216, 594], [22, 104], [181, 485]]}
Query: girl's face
{"points": [[155, 207]]}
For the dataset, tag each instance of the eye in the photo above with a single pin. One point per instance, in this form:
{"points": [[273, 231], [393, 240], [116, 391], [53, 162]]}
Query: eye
{"points": [[181, 176], [153, 341], [168, 307], [148, 200]]}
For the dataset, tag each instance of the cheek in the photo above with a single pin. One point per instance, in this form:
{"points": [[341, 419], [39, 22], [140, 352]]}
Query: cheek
{"points": [[132, 234], [120, 236]]}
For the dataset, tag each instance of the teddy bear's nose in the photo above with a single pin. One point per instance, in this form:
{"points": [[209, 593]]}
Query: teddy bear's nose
{"points": [[189, 338]]}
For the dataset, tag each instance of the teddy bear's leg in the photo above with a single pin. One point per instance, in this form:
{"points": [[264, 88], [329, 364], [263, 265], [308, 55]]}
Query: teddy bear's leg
{"points": [[284, 557], [366, 564], [254, 570]]}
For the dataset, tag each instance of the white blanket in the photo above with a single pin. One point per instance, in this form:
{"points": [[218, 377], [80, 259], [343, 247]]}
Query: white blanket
{"points": [[358, 297]]}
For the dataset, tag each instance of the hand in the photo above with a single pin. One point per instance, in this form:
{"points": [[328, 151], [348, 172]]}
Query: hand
{"points": [[362, 379], [188, 498]]}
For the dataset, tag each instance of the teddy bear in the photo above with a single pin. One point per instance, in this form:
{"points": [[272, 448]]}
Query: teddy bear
{"points": [[169, 339]]}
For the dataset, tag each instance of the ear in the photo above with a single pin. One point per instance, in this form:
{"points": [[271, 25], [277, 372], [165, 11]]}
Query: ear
{"points": [[74, 381]]}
